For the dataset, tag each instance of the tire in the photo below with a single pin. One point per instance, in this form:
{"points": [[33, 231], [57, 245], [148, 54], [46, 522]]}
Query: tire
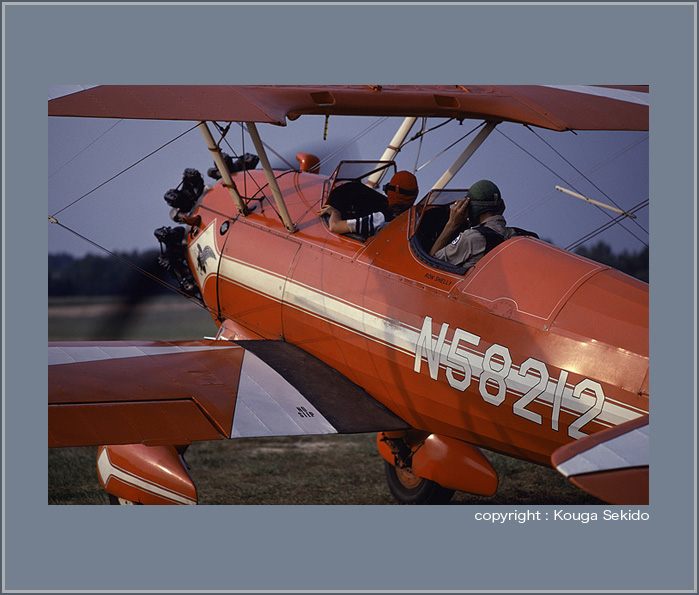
{"points": [[119, 501], [411, 489]]}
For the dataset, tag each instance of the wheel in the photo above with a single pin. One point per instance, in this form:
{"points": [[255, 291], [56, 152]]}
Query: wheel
{"points": [[411, 489], [117, 501]]}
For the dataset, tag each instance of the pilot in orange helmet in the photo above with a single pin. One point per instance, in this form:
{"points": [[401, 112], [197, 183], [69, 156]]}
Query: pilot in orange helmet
{"points": [[401, 193]]}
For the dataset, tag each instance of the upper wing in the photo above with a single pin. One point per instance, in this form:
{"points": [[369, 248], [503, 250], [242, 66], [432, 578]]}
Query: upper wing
{"points": [[612, 464], [575, 107], [178, 392]]}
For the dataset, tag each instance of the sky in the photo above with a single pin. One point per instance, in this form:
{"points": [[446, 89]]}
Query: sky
{"points": [[121, 215]]}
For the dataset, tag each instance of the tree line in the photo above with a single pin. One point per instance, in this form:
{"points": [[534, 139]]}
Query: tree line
{"points": [[106, 275], [635, 264], [94, 274]]}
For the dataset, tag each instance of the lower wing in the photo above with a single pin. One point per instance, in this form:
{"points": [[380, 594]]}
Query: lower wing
{"points": [[162, 393]]}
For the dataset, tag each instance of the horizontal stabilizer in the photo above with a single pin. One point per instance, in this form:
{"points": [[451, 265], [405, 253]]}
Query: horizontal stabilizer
{"points": [[611, 465], [179, 392]]}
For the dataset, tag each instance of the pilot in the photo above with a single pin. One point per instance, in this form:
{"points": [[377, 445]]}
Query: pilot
{"points": [[401, 193], [482, 207]]}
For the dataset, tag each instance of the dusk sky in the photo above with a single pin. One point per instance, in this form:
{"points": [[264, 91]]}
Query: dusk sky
{"points": [[122, 214]]}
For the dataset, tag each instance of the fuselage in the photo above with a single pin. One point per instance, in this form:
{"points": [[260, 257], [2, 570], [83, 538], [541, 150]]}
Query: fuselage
{"points": [[530, 349]]}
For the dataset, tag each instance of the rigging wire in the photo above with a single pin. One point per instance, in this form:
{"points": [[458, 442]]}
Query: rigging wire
{"points": [[336, 152], [456, 142], [133, 266], [606, 226], [246, 175], [245, 171], [327, 158], [423, 132], [543, 140], [85, 149], [353, 140], [266, 146], [589, 171], [419, 145], [570, 184], [149, 275], [242, 144], [124, 171]]}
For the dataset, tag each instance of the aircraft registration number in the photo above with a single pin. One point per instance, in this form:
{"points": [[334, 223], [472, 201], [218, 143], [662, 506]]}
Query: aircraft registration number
{"points": [[497, 375]]}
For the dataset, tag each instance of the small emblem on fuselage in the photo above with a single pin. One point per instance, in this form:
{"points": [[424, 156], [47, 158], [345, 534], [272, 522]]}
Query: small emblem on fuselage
{"points": [[203, 256]]}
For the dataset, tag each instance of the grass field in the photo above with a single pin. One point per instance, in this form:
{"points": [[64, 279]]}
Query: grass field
{"points": [[102, 318], [289, 470]]}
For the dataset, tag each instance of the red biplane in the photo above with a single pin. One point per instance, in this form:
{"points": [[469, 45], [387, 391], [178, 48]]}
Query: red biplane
{"points": [[534, 352]]}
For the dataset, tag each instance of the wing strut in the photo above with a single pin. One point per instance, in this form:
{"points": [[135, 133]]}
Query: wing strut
{"points": [[276, 192], [465, 156], [222, 168], [391, 151], [595, 202]]}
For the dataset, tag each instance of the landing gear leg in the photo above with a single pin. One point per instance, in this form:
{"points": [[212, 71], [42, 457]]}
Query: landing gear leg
{"points": [[397, 449]]}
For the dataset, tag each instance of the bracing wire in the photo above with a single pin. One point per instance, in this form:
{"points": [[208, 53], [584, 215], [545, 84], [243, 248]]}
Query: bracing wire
{"points": [[609, 198], [353, 140], [322, 161], [594, 233], [149, 275], [270, 149], [616, 220], [423, 132], [124, 171], [456, 142], [609, 159], [235, 154], [83, 150], [419, 145], [132, 265]]}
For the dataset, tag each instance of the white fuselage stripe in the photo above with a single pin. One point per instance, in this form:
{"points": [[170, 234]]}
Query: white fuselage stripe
{"points": [[387, 331]]}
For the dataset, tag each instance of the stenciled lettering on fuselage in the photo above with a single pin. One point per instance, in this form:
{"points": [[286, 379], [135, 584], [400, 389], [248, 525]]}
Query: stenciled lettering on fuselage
{"points": [[496, 375]]}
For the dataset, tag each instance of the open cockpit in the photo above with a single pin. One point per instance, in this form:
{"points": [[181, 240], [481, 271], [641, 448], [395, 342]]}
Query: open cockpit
{"points": [[351, 190], [428, 218]]}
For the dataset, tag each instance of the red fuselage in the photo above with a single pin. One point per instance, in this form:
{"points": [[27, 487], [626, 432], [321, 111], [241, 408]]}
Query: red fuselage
{"points": [[530, 349]]}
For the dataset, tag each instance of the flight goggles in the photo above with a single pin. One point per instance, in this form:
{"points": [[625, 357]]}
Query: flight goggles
{"points": [[391, 188]]}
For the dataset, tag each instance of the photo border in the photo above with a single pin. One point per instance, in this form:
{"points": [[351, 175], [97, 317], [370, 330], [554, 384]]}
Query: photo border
{"points": [[247, 548]]}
